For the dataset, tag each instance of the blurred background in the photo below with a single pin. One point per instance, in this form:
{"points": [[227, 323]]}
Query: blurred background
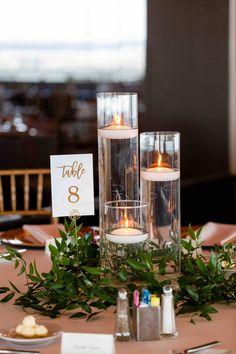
{"points": [[178, 55]]}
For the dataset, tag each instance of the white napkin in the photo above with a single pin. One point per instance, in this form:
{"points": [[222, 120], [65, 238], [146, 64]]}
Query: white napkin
{"points": [[215, 233], [43, 232]]}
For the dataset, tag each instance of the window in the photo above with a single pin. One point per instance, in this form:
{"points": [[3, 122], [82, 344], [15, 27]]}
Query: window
{"points": [[82, 40]]}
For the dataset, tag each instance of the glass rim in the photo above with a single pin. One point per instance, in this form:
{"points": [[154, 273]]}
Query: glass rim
{"points": [[113, 204], [160, 133], [116, 93]]}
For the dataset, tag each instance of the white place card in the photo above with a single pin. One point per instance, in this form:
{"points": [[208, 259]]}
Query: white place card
{"points": [[72, 185], [86, 343]]}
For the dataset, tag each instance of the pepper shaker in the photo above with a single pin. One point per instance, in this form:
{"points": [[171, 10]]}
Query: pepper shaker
{"points": [[123, 332], [168, 325]]}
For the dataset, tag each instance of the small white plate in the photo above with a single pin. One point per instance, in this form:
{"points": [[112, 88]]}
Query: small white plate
{"points": [[10, 335]]}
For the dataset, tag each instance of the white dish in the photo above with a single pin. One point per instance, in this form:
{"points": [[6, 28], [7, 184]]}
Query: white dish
{"points": [[9, 335]]}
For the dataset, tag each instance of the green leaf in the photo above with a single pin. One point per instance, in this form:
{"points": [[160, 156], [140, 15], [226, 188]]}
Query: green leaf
{"points": [[192, 292], [72, 306], [98, 304], [208, 309], [123, 275], [201, 266], [53, 250], [86, 308], [16, 263], [36, 270], [55, 286], [4, 289], [191, 233], [92, 315], [14, 287], [212, 264], [146, 260], [185, 308], [93, 270], [187, 245], [88, 283], [206, 316], [105, 281], [61, 233], [14, 253], [66, 226], [198, 233], [34, 279], [207, 288], [37, 307], [135, 265], [8, 297], [79, 315], [64, 261], [22, 270]]}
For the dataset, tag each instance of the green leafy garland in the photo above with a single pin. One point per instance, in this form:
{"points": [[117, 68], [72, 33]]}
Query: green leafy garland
{"points": [[77, 284]]}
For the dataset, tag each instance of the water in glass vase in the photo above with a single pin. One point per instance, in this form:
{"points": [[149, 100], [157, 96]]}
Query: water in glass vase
{"points": [[118, 171], [163, 197]]}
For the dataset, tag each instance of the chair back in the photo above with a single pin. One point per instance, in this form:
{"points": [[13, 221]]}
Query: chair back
{"points": [[23, 192]]}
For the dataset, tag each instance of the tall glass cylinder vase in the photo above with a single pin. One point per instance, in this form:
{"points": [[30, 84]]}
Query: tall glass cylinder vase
{"points": [[117, 117], [160, 187]]}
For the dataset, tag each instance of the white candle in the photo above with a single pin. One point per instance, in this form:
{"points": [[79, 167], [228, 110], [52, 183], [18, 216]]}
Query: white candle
{"points": [[160, 174], [118, 132], [126, 235]]}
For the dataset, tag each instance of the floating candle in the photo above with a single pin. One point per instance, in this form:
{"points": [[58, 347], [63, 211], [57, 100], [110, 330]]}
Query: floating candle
{"points": [[160, 174], [126, 235], [114, 132], [117, 130]]}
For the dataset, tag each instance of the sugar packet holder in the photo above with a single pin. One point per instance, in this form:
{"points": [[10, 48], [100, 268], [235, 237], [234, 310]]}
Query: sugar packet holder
{"points": [[146, 323]]}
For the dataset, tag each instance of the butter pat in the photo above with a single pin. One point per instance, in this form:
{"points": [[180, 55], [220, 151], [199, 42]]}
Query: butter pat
{"points": [[29, 321], [41, 331], [30, 329]]}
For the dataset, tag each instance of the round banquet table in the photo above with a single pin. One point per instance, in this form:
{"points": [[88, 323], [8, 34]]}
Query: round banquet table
{"points": [[221, 328]]}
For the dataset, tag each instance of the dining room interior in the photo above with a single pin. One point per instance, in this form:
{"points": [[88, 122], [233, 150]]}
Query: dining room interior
{"points": [[175, 55], [143, 92]]}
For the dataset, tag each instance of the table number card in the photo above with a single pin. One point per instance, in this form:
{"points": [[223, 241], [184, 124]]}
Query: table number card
{"points": [[72, 185], [86, 343]]}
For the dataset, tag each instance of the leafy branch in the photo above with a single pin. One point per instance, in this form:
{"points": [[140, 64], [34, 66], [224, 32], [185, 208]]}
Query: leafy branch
{"points": [[203, 281], [79, 285]]}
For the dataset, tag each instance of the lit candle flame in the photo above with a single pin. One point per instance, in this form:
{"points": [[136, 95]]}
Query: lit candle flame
{"points": [[126, 219], [159, 160], [116, 119]]}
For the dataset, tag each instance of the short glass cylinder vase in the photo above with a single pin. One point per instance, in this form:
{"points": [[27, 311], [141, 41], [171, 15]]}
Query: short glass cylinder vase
{"points": [[118, 155], [126, 231], [160, 188]]}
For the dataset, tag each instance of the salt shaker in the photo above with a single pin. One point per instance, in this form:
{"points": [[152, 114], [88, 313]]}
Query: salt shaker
{"points": [[122, 317], [168, 326]]}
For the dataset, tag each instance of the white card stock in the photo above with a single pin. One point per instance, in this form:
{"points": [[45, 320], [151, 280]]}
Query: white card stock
{"points": [[72, 185], [87, 343]]}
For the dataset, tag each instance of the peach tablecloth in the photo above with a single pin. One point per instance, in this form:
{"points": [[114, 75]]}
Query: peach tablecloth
{"points": [[222, 327]]}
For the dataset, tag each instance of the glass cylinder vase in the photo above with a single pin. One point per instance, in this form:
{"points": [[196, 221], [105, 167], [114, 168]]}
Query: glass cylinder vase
{"points": [[117, 117], [160, 188], [126, 231]]}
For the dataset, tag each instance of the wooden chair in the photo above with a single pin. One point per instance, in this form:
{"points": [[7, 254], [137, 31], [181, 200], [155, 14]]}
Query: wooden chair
{"points": [[22, 192]]}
